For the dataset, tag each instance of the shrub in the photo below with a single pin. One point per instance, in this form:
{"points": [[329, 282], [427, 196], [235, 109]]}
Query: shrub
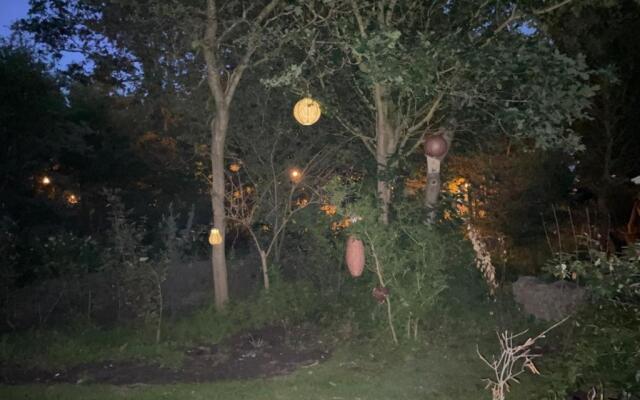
{"points": [[601, 347]]}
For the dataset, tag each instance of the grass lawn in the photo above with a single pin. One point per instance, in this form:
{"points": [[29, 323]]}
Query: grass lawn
{"points": [[442, 365], [353, 372]]}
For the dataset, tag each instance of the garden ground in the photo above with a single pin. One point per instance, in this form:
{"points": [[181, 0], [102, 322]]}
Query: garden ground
{"points": [[302, 362]]}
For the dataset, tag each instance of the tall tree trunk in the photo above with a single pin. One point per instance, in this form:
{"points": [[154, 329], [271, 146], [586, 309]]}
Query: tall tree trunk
{"points": [[222, 93], [386, 143], [218, 260]]}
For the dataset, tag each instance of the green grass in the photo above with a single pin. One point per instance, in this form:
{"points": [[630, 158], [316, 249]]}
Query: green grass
{"points": [[441, 365], [369, 370], [79, 344]]}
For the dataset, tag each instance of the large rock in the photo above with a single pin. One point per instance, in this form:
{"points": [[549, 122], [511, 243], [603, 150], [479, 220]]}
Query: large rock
{"points": [[548, 301]]}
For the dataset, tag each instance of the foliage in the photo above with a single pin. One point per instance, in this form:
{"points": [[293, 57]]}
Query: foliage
{"points": [[605, 33], [140, 274], [601, 347], [609, 277], [407, 257]]}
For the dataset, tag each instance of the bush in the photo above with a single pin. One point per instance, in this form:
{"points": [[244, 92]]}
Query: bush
{"points": [[601, 347], [408, 259]]}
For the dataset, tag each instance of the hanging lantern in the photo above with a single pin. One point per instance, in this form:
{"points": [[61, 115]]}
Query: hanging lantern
{"points": [[354, 256], [234, 167], [307, 111], [45, 180], [435, 146], [295, 175], [215, 237]]}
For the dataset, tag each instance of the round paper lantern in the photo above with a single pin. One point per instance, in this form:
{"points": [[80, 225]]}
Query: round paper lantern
{"points": [[435, 146], [307, 111], [215, 237], [354, 256]]}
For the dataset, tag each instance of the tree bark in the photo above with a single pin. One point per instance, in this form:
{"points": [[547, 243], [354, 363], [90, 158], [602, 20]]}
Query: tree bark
{"points": [[218, 258], [386, 145]]}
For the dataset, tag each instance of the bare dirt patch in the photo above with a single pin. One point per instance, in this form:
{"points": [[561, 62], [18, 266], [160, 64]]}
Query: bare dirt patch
{"points": [[261, 353]]}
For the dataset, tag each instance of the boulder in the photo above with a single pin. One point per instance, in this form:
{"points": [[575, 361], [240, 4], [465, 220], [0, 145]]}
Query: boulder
{"points": [[548, 301]]}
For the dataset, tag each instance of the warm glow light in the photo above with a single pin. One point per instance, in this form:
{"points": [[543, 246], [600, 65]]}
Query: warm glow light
{"points": [[296, 175], [307, 111], [235, 167], [215, 237], [45, 180], [72, 199]]}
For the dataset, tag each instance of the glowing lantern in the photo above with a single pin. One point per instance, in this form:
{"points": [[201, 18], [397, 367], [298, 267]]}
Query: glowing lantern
{"points": [[295, 175], [354, 256], [235, 167], [435, 146], [307, 111], [215, 237], [45, 180], [72, 199]]}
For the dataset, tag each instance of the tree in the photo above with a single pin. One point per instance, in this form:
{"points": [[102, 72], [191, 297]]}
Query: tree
{"points": [[459, 68], [219, 29], [216, 42], [606, 32]]}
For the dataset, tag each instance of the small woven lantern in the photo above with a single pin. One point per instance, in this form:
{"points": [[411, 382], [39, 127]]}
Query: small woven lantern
{"points": [[307, 111], [215, 237]]}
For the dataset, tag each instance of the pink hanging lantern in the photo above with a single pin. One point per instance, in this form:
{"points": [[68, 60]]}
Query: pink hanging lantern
{"points": [[354, 256]]}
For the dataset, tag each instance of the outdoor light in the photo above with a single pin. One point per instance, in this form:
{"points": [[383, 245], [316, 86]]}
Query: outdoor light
{"points": [[72, 199], [307, 111], [215, 237], [235, 167], [45, 180], [295, 175]]}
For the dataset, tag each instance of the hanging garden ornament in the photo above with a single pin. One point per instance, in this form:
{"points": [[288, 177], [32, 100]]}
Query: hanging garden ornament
{"points": [[307, 111], [380, 293], [354, 256], [215, 237], [435, 146]]}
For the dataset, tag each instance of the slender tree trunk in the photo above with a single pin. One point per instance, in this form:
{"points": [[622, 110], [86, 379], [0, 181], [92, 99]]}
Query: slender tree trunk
{"points": [[386, 144], [265, 268], [218, 259]]}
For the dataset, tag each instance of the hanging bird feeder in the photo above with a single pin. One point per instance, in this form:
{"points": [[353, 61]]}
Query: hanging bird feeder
{"points": [[307, 111], [435, 146]]}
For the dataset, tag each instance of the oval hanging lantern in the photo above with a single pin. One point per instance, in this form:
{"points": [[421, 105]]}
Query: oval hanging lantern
{"points": [[435, 146], [354, 256], [215, 237], [307, 111]]}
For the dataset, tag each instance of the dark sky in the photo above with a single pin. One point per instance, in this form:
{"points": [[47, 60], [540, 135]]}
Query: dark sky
{"points": [[12, 10]]}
